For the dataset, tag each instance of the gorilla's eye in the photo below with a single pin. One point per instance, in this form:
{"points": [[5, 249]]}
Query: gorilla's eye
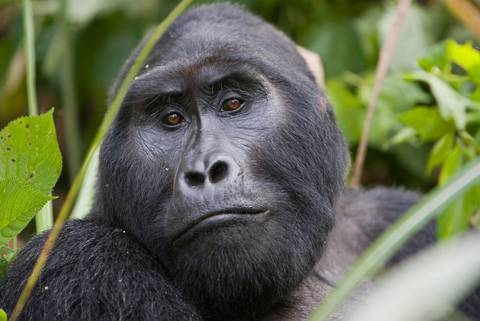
{"points": [[232, 104], [173, 119]]}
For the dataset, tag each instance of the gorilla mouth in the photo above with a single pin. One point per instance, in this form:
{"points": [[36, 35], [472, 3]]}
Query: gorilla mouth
{"points": [[221, 217]]}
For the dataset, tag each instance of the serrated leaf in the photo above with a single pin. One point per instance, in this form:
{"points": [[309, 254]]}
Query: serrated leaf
{"points": [[29, 152], [19, 202], [427, 122], [452, 105], [30, 164], [463, 55], [440, 151]]}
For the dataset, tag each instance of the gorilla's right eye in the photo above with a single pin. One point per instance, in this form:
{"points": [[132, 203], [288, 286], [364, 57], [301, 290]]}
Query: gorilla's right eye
{"points": [[173, 119]]}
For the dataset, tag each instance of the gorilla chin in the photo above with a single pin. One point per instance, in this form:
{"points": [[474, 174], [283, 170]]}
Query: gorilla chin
{"points": [[241, 265]]}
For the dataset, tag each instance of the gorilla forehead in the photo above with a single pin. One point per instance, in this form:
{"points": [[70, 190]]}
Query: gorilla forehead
{"points": [[227, 33]]}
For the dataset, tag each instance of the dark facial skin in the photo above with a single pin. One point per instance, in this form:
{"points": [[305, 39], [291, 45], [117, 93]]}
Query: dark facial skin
{"points": [[230, 164]]}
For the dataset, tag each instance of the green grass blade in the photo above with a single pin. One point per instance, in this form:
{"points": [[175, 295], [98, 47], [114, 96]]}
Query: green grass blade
{"points": [[44, 218], [417, 217], [412, 291]]}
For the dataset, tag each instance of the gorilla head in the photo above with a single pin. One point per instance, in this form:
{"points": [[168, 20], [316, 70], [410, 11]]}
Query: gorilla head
{"points": [[225, 161]]}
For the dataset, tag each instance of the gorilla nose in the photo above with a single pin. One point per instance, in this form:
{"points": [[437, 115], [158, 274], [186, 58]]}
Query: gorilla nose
{"points": [[209, 170]]}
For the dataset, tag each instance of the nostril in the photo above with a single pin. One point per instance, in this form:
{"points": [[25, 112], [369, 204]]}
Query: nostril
{"points": [[218, 171], [194, 178]]}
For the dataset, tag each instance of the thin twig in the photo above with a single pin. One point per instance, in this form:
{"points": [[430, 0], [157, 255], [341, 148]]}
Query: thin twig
{"points": [[72, 193], [382, 68], [468, 13]]}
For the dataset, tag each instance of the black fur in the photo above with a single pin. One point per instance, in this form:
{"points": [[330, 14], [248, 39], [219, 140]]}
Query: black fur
{"points": [[151, 248]]}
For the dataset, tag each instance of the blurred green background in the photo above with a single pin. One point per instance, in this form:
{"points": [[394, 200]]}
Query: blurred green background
{"points": [[82, 44]]}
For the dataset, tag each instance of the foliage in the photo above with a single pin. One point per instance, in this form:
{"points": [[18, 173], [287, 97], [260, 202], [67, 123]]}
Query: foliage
{"points": [[451, 122], [30, 164]]}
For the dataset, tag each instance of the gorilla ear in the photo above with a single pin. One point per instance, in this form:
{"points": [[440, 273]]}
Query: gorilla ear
{"points": [[314, 63]]}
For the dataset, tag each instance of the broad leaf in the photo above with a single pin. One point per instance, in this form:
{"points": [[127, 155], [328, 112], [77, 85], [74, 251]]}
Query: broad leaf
{"points": [[30, 164], [452, 104], [427, 122]]}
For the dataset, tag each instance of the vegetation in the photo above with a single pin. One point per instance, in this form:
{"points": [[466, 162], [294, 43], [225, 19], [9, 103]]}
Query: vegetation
{"points": [[425, 133]]}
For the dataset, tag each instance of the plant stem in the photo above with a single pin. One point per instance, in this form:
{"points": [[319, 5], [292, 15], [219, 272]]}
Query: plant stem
{"points": [[398, 234], [385, 56], [77, 183], [468, 13], [69, 95], [44, 218]]}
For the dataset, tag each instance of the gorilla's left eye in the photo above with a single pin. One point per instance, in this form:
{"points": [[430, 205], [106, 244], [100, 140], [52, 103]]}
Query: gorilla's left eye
{"points": [[232, 104]]}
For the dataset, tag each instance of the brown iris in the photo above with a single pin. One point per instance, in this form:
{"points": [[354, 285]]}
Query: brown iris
{"points": [[173, 119], [232, 104]]}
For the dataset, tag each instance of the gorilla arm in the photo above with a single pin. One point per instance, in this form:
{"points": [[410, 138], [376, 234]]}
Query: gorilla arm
{"points": [[95, 272]]}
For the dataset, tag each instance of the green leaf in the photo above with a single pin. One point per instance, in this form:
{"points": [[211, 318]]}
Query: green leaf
{"points": [[335, 41], [20, 202], [452, 104], [406, 134], [453, 219], [348, 109], [436, 57], [463, 55], [6, 255], [475, 96], [452, 164], [472, 200], [30, 164], [427, 122], [440, 151]]}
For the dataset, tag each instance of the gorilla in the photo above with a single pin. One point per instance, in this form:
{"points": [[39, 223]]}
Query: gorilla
{"points": [[220, 191]]}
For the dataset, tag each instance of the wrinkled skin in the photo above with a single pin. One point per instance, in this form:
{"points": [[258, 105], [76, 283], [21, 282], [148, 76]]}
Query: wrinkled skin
{"points": [[218, 187]]}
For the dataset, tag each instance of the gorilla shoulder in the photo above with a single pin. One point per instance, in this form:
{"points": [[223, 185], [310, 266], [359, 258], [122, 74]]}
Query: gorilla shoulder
{"points": [[95, 272]]}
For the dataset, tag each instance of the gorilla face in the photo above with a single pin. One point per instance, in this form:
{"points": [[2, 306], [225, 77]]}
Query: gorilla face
{"points": [[225, 163]]}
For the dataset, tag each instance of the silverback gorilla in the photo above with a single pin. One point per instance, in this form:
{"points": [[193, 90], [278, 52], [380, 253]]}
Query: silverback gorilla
{"points": [[220, 191]]}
